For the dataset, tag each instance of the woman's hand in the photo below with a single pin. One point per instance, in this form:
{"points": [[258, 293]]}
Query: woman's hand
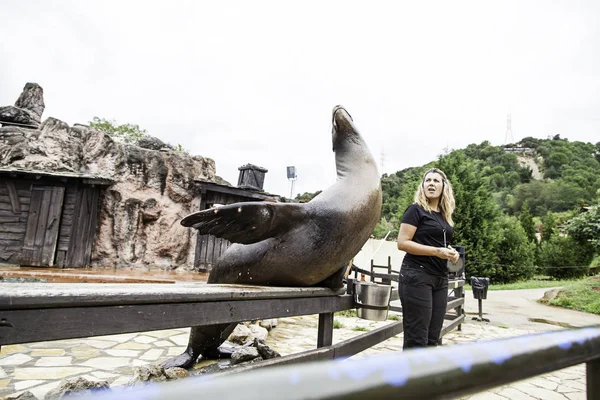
{"points": [[448, 253]]}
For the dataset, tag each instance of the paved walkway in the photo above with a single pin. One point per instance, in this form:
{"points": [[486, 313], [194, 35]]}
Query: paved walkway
{"points": [[39, 367]]}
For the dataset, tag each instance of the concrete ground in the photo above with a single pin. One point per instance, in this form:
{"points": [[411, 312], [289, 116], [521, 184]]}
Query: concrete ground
{"points": [[39, 367]]}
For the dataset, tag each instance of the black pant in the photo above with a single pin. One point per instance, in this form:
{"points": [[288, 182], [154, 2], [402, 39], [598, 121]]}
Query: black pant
{"points": [[424, 298]]}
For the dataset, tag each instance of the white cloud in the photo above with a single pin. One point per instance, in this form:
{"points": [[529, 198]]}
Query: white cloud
{"points": [[254, 82]]}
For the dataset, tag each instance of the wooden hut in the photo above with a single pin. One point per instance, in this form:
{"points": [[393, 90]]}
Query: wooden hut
{"points": [[48, 219], [208, 247]]}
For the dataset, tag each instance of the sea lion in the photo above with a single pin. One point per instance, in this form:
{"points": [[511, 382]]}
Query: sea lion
{"points": [[293, 244]]}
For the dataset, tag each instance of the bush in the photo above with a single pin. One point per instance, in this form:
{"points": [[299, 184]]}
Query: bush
{"points": [[562, 251]]}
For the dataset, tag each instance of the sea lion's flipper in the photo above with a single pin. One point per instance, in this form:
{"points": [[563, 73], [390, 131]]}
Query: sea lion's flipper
{"points": [[248, 222], [203, 340]]}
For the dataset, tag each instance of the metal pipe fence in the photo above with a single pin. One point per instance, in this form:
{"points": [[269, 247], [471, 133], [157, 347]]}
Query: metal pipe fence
{"points": [[434, 373]]}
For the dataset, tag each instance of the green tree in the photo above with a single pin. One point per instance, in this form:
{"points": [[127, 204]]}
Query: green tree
{"points": [[585, 228], [127, 133], [526, 221], [548, 226], [564, 257], [307, 196], [515, 252]]}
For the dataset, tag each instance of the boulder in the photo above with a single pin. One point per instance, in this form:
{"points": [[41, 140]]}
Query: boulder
{"points": [[75, 387]]}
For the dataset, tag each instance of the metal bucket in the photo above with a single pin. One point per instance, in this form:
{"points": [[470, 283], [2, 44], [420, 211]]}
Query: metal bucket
{"points": [[372, 300]]}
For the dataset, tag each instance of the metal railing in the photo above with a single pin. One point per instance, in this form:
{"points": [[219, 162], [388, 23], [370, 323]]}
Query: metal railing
{"points": [[435, 373]]}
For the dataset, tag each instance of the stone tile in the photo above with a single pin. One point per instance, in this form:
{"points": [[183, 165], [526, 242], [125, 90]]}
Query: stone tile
{"points": [[84, 352], [566, 389], [552, 378], [123, 337], [124, 380], [175, 351], [144, 339], [53, 362], [541, 393], [41, 391], [22, 385], [575, 385], [514, 394], [48, 372], [2, 373], [99, 344], [576, 396], [132, 346], [543, 383], [4, 383], [163, 343], [103, 375], [152, 355], [11, 349], [107, 363], [567, 375], [181, 340], [169, 332], [15, 359], [139, 363], [47, 352], [122, 353], [485, 396]]}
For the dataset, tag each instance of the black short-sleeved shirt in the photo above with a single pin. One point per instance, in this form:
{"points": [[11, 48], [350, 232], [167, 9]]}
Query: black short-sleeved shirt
{"points": [[430, 232]]}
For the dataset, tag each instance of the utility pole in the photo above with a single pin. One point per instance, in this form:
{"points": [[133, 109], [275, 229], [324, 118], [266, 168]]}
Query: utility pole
{"points": [[508, 137]]}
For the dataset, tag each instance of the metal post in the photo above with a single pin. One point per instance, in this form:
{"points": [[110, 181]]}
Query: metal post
{"points": [[325, 334], [592, 377], [459, 292], [480, 303]]}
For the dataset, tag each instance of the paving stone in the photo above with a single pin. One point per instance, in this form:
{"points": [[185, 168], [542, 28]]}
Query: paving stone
{"points": [[15, 359], [2, 373], [122, 353], [41, 391], [99, 344], [544, 383], [53, 362], [575, 385], [107, 363], [47, 352], [139, 363], [485, 396], [103, 375], [163, 343], [84, 352], [132, 346], [168, 333], [576, 396], [175, 351], [144, 339], [180, 340], [11, 349], [22, 385], [152, 355], [48, 372], [514, 394], [123, 380], [541, 393], [566, 389], [121, 338], [4, 383]]}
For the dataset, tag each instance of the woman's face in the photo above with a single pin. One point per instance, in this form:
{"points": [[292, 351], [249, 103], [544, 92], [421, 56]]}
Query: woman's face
{"points": [[432, 185]]}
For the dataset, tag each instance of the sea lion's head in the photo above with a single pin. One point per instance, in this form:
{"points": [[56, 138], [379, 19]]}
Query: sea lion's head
{"points": [[343, 129]]}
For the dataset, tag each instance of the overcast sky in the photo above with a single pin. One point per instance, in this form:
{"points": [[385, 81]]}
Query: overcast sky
{"points": [[255, 81]]}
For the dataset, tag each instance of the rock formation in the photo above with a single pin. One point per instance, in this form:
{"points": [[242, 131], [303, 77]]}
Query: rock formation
{"points": [[138, 222]]}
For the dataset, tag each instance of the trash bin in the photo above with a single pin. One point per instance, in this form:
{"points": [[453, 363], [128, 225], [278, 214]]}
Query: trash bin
{"points": [[480, 287]]}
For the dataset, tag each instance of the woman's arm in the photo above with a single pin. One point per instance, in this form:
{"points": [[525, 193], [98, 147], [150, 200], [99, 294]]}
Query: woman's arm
{"points": [[405, 243]]}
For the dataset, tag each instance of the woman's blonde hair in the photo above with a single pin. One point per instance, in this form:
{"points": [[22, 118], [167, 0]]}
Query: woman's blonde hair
{"points": [[446, 204]]}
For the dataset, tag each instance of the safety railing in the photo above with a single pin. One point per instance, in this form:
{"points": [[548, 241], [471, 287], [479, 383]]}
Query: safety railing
{"points": [[435, 373]]}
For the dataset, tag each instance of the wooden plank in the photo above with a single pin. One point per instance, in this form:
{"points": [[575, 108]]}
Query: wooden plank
{"points": [[40, 233], [52, 226], [90, 234], [28, 251], [11, 242], [21, 192], [12, 226], [61, 256], [325, 330], [48, 295], [14, 197], [74, 322], [8, 220]]}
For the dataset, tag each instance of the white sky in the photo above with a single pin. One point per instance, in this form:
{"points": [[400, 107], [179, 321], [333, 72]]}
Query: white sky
{"points": [[255, 81]]}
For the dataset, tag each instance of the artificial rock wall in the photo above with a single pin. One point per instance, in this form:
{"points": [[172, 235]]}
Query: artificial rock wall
{"points": [[138, 222]]}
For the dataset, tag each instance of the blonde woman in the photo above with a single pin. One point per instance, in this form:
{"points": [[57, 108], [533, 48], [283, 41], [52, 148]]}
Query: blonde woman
{"points": [[425, 233]]}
